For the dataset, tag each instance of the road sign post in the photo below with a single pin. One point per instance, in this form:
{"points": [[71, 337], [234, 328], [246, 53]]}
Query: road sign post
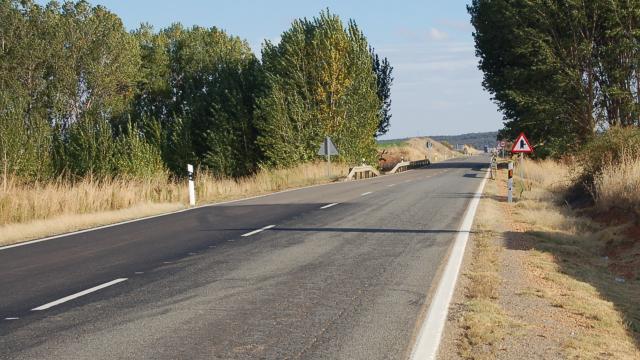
{"points": [[521, 146], [192, 189], [510, 183]]}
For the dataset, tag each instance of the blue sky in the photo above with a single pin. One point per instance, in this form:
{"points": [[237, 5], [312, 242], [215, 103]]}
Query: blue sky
{"points": [[437, 88]]}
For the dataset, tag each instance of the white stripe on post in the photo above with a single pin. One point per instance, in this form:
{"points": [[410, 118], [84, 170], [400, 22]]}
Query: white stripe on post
{"points": [[192, 189]]}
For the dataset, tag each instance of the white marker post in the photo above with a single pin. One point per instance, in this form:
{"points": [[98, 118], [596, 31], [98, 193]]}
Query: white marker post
{"points": [[192, 189], [510, 183]]}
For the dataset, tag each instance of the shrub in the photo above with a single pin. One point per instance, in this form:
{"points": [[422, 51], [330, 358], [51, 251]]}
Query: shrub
{"points": [[608, 148]]}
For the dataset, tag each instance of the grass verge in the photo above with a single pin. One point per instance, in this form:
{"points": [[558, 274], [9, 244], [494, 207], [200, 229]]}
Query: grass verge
{"points": [[567, 258], [484, 322]]}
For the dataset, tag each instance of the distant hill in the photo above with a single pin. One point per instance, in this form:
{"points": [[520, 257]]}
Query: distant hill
{"points": [[477, 140]]}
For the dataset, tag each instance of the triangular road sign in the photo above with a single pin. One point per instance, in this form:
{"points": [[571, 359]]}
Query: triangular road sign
{"points": [[327, 147], [522, 145]]}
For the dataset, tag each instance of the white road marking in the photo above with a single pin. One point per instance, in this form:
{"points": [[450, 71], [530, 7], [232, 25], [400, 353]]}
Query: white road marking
{"points": [[329, 205], [77, 295], [428, 341], [367, 193], [12, 318], [259, 230], [139, 272], [390, 185]]}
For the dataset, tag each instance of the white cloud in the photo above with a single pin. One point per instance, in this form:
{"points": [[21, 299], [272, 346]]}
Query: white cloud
{"points": [[438, 35]]}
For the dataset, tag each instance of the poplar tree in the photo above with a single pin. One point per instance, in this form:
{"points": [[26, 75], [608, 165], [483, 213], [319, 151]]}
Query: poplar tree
{"points": [[319, 82]]}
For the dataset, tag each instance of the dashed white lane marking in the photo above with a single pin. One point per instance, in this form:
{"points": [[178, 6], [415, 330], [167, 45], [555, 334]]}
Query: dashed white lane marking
{"points": [[329, 205], [259, 230], [367, 193], [77, 295], [390, 185], [12, 318]]}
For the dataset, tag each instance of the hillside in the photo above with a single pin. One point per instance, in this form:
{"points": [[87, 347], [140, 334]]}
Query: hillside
{"points": [[412, 149], [477, 140]]}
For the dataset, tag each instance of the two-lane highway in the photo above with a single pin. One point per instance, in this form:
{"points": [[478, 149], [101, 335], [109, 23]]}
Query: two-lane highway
{"points": [[339, 271]]}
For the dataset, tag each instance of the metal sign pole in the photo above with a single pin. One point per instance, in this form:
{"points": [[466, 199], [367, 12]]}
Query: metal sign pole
{"points": [[326, 147], [510, 183]]}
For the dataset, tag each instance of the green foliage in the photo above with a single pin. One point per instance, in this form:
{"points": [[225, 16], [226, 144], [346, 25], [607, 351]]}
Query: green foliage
{"points": [[384, 79], [24, 146], [608, 147], [134, 156], [559, 70], [307, 99], [80, 96], [88, 149]]}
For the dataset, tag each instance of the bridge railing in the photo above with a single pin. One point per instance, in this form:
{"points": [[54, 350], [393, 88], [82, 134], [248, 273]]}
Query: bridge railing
{"points": [[362, 172]]}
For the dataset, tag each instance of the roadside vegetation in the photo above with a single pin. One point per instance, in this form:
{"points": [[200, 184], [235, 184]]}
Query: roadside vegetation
{"points": [[556, 281], [94, 118]]}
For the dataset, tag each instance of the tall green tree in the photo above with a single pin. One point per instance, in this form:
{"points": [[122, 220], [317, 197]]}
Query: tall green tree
{"points": [[559, 70], [319, 82], [384, 79]]}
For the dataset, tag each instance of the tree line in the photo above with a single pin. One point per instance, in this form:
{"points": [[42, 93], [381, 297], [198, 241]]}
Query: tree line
{"points": [[561, 71], [80, 95]]}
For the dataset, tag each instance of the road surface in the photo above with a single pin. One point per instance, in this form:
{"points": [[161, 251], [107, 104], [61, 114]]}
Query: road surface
{"points": [[339, 271]]}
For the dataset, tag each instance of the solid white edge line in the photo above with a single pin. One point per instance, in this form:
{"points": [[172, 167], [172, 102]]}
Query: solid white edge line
{"points": [[367, 193], [258, 230], [428, 340], [35, 241], [329, 205], [77, 295]]}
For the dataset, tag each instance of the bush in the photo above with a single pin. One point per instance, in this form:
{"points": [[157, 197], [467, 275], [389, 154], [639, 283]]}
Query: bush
{"points": [[611, 168], [608, 148]]}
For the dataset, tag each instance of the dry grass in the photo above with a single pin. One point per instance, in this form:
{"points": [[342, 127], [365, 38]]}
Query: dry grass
{"points": [[484, 322], [618, 185], [33, 210], [567, 257]]}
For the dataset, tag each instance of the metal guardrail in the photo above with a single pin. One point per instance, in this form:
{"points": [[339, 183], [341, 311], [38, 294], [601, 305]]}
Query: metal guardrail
{"points": [[406, 165], [366, 171], [362, 172]]}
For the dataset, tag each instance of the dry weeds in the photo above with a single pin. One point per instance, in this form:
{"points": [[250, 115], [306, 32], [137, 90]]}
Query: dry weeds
{"points": [[567, 259], [484, 322], [618, 185]]}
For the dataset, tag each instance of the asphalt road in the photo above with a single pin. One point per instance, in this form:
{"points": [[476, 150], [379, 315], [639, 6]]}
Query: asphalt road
{"points": [[348, 281]]}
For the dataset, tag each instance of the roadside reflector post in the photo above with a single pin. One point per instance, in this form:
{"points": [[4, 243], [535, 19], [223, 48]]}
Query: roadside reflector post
{"points": [[192, 188], [510, 183]]}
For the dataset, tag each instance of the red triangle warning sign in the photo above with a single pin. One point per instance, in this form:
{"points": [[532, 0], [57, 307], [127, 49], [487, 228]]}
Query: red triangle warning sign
{"points": [[522, 145]]}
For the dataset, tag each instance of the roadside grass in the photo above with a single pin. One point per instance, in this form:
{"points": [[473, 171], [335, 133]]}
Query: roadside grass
{"points": [[29, 211], [568, 255], [484, 322], [618, 184]]}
